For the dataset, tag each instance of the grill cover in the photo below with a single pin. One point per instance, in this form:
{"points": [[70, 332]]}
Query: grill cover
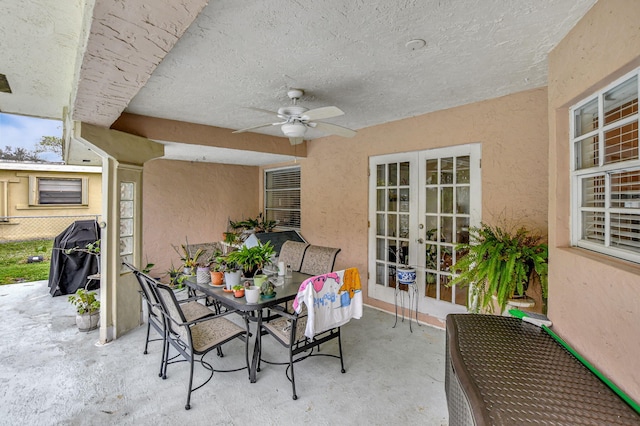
{"points": [[69, 272]]}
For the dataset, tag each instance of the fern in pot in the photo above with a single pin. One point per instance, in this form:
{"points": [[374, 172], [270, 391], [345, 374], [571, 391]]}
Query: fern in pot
{"points": [[499, 264]]}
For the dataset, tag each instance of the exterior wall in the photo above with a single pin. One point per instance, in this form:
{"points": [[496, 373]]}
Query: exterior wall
{"points": [[14, 201], [195, 201], [593, 299], [513, 133]]}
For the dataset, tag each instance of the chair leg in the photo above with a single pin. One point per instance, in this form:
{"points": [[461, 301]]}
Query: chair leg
{"points": [[165, 356], [188, 406], [293, 377], [146, 343], [340, 349]]}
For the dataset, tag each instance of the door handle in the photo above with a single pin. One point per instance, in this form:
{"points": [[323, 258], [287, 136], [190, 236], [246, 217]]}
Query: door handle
{"points": [[420, 240]]}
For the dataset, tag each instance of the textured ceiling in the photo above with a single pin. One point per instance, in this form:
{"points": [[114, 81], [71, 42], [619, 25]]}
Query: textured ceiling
{"points": [[100, 57], [353, 55]]}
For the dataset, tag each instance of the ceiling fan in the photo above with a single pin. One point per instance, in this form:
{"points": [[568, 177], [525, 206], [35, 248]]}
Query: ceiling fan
{"points": [[296, 119]]}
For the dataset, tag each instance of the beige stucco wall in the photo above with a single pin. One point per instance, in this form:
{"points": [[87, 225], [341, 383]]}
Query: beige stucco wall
{"points": [[14, 191], [594, 301], [513, 134], [195, 201]]}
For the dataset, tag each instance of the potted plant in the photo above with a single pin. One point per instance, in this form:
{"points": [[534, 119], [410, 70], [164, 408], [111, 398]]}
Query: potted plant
{"points": [[174, 274], [189, 259], [500, 264], [217, 268], [231, 271], [238, 290], [252, 259], [87, 309]]}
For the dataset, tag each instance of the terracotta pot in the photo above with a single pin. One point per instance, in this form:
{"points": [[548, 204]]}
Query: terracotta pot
{"points": [[238, 293], [217, 278]]}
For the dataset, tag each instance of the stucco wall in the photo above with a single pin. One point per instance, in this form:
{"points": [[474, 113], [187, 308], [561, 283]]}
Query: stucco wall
{"points": [[36, 226], [512, 130], [593, 299], [195, 201]]}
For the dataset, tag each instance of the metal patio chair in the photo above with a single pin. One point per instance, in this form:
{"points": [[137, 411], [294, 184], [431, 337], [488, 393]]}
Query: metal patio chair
{"points": [[191, 338], [313, 323]]}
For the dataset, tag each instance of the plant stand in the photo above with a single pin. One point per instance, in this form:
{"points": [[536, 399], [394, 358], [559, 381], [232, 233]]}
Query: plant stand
{"points": [[412, 295]]}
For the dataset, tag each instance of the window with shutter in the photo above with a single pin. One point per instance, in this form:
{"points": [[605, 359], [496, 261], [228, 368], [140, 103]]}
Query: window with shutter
{"points": [[606, 170], [282, 197], [59, 191]]}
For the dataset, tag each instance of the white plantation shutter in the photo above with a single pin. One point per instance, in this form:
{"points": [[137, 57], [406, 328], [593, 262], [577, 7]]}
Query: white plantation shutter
{"points": [[282, 197]]}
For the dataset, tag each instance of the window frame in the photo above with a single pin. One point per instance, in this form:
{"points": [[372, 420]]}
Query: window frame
{"points": [[579, 175], [34, 191], [266, 191]]}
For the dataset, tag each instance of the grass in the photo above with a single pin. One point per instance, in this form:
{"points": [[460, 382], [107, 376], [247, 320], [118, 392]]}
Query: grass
{"points": [[13, 261]]}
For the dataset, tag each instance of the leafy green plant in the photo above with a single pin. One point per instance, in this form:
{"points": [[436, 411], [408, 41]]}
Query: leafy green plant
{"points": [[252, 259], [189, 259], [85, 301], [501, 263]]}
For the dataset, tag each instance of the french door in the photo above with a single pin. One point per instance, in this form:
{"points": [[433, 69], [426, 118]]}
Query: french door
{"points": [[421, 205]]}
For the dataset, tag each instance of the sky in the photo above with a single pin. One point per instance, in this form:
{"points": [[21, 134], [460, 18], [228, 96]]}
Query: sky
{"points": [[22, 131]]}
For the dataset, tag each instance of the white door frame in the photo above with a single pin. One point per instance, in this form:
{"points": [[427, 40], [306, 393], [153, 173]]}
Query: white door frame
{"points": [[417, 208]]}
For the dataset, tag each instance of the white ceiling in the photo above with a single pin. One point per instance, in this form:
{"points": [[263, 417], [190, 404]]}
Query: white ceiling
{"points": [[239, 54]]}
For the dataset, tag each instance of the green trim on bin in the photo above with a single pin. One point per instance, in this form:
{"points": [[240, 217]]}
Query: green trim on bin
{"points": [[520, 314]]}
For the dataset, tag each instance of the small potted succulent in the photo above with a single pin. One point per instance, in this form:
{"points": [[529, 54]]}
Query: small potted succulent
{"points": [[238, 290], [87, 309]]}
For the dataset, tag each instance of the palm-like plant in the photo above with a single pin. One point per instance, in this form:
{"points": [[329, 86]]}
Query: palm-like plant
{"points": [[501, 263]]}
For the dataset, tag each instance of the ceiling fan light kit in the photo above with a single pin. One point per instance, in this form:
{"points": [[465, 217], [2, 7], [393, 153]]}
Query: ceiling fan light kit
{"points": [[297, 118], [293, 130]]}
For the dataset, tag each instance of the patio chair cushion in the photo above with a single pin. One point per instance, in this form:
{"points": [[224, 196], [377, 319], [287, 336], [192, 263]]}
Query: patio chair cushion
{"points": [[281, 329], [292, 253], [318, 260], [209, 334]]}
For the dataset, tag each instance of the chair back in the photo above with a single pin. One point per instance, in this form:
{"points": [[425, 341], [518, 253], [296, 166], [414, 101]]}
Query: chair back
{"points": [[291, 253], [332, 300], [319, 260], [171, 309], [146, 289]]}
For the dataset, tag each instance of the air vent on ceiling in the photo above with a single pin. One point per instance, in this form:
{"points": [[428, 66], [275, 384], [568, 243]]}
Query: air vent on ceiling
{"points": [[4, 84]]}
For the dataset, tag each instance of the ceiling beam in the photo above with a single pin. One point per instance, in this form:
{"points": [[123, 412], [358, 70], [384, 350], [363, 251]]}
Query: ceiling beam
{"points": [[126, 42]]}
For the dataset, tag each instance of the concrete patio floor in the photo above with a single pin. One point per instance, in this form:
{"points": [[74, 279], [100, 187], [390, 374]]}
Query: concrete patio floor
{"points": [[51, 374]]}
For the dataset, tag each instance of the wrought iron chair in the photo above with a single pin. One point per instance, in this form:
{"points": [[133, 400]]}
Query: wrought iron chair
{"points": [[198, 337], [318, 260], [305, 329], [191, 307], [291, 254]]}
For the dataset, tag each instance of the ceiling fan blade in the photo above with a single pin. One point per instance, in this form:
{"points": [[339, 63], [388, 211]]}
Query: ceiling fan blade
{"points": [[255, 127], [322, 113], [334, 129], [263, 110], [296, 141]]}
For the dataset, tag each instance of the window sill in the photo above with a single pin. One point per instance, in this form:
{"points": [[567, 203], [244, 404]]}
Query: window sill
{"points": [[51, 207]]}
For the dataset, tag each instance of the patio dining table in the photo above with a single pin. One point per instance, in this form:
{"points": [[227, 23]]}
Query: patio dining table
{"points": [[254, 311]]}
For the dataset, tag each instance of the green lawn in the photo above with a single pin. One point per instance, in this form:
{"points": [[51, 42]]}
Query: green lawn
{"points": [[13, 261]]}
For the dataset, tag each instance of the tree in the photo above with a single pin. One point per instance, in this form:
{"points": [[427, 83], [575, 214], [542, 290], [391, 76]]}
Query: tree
{"points": [[49, 144], [18, 154]]}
